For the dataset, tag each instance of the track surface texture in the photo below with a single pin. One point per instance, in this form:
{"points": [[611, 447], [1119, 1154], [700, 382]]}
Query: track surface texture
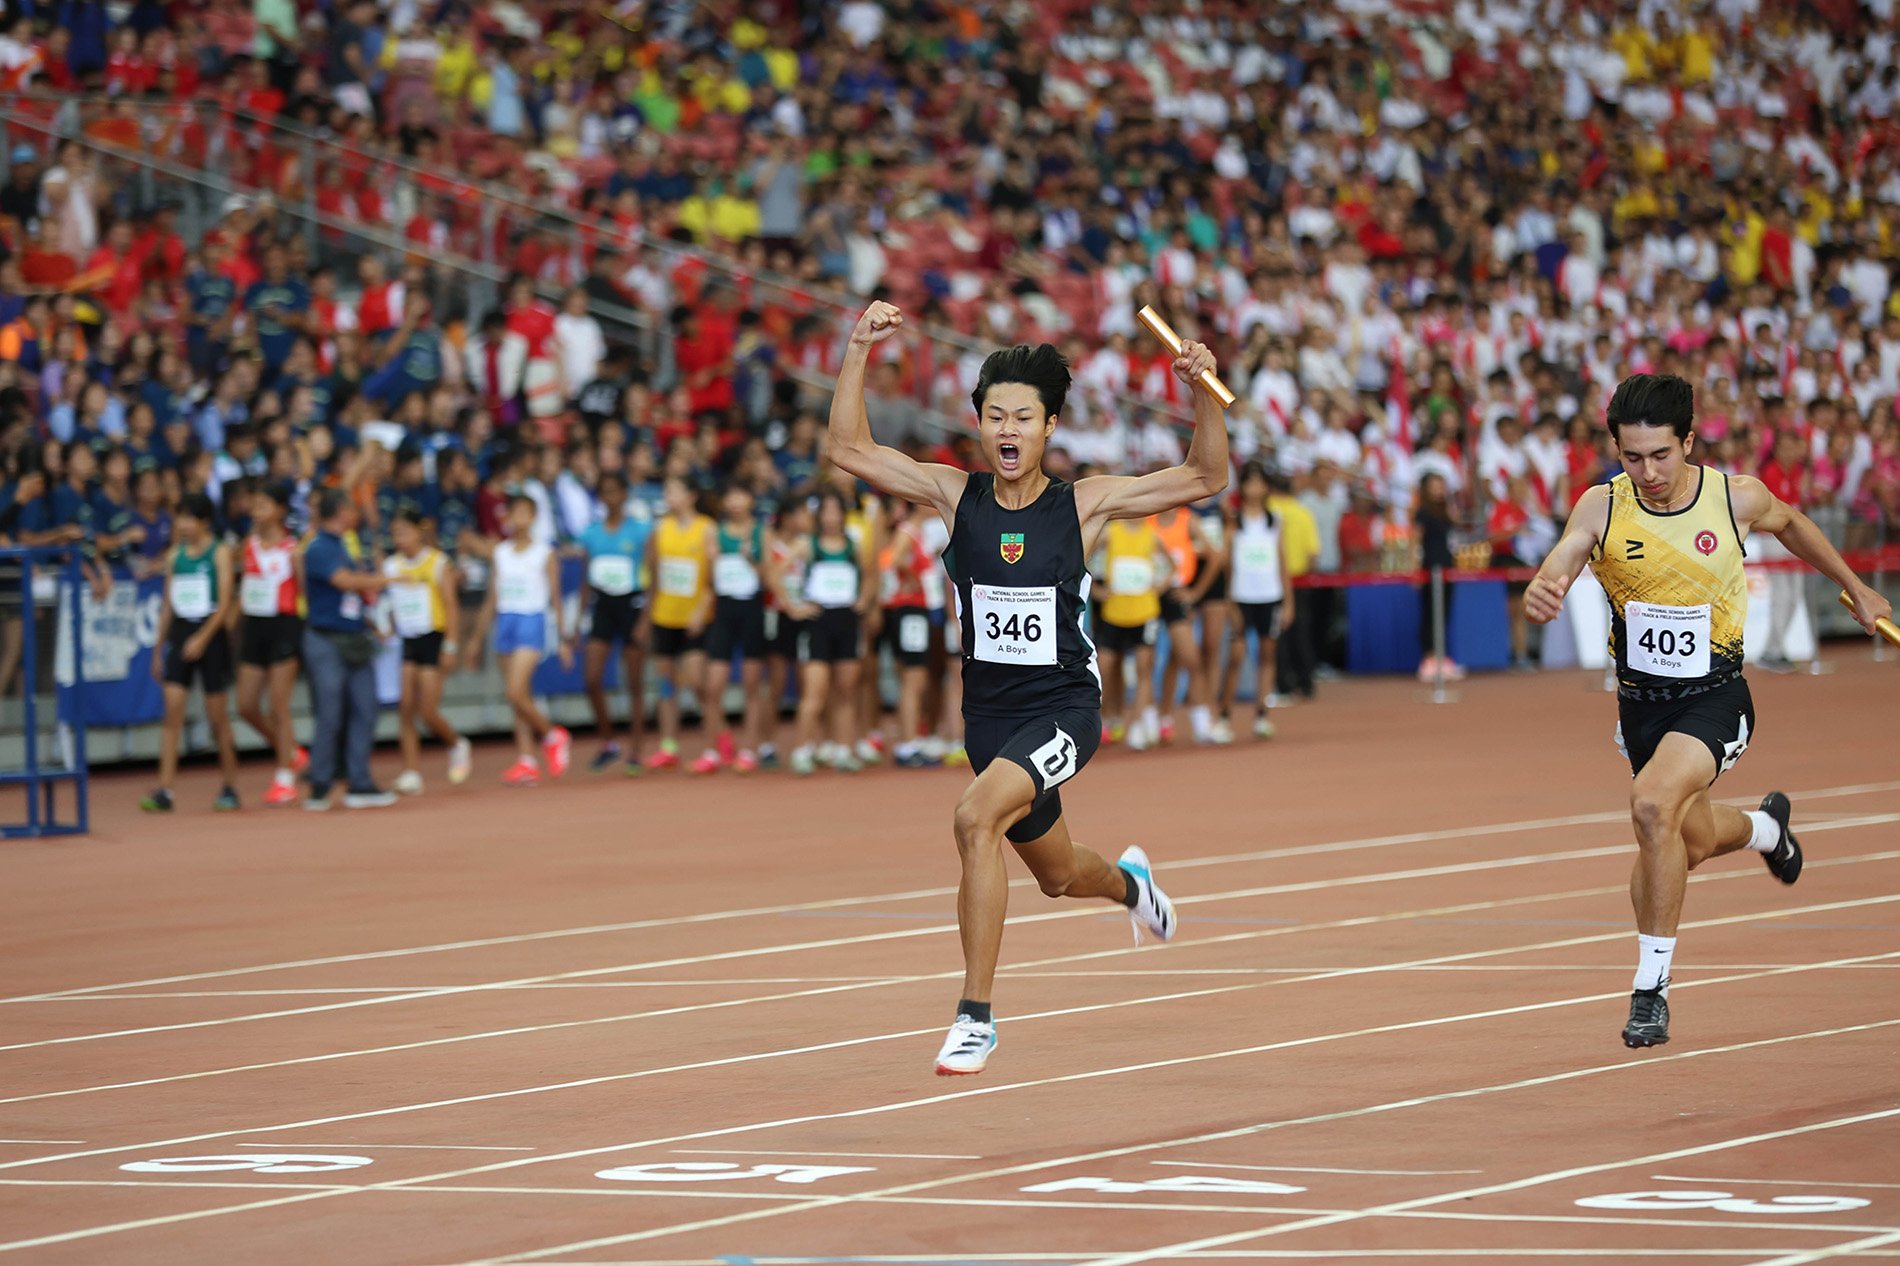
{"points": [[692, 1020]]}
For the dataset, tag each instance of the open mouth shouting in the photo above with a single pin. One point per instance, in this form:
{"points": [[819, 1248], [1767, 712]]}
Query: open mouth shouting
{"points": [[1009, 457]]}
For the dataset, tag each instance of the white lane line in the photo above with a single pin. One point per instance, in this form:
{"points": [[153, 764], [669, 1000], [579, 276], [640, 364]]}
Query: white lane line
{"points": [[37, 1142], [1091, 911], [926, 1101], [824, 1202], [550, 984], [1521, 1184], [1295, 929], [750, 1151], [397, 1147], [1313, 1169], [1379, 841], [1852, 1249], [1778, 1182]]}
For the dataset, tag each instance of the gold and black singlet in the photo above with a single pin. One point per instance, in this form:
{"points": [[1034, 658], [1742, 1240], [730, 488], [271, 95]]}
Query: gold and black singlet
{"points": [[1678, 598]]}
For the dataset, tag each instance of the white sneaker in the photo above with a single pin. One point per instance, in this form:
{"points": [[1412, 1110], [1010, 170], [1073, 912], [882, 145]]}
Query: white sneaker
{"points": [[966, 1049], [1223, 732], [461, 761], [409, 783], [802, 762], [1153, 911], [1262, 728], [1139, 740]]}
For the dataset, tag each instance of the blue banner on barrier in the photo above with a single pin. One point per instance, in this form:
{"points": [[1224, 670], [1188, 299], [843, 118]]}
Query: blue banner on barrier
{"points": [[119, 633]]}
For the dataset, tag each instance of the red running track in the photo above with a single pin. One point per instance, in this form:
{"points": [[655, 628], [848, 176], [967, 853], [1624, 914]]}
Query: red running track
{"points": [[693, 1021]]}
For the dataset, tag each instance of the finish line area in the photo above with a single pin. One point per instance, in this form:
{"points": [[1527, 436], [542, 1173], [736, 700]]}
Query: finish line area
{"points": [[667, 1026]]}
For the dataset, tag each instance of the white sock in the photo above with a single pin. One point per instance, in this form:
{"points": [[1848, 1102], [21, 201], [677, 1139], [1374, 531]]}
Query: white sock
{"points": [[1151, 720], [1203, 721], [1767, 832], [1652, 964]]}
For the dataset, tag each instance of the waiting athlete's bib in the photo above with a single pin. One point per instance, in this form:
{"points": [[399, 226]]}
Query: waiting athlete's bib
{"points": [[831, 583], [191, 595], [734, 577], [679, 577], [414, 613], [1667, 641], [258, 595], [1128, 577], [611, 574], [1014, 626], [515, 591], [913, 633]]}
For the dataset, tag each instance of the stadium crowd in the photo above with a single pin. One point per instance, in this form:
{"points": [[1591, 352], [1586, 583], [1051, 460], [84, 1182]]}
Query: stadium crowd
{"points": [[1426, 239]]}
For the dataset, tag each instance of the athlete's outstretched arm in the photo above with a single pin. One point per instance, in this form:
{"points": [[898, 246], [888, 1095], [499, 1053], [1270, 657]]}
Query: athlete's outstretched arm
{"points": [[849, 436], [1204, 473], [1763, 511], [1544, 599]]}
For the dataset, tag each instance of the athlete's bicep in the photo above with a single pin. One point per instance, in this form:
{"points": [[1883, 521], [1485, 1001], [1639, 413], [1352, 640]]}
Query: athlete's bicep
{"points": [[898, 475], [1105, 497]]}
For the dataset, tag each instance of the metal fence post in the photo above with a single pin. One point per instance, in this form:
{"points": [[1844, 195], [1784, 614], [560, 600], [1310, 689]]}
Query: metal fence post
{"points": [[1438, 636]]}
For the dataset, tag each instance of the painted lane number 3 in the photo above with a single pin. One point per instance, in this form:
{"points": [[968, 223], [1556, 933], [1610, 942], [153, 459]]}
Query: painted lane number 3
{"points": [[1722, 1202]]}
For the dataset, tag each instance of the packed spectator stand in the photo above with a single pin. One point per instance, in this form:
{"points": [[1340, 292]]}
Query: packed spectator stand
{"points": [[529, 243]]}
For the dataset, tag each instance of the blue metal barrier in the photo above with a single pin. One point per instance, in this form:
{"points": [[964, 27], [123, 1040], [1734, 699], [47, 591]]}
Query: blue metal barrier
{"points": [[41, 780]]}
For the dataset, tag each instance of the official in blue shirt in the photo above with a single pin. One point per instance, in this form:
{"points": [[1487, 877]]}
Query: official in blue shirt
{"points": [[277, 304], [339, 654]]}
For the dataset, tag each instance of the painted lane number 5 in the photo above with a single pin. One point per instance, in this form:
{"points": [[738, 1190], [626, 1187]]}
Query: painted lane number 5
{"points": [[724, 1171]]}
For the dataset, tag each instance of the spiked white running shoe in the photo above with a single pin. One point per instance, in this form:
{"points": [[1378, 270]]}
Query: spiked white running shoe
{"points": [[966, 1049], [1152, 912]]}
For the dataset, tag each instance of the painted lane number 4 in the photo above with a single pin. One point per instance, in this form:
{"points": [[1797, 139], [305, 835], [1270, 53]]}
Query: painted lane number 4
{"points": [[1723, 1202], [1181, 1182]]}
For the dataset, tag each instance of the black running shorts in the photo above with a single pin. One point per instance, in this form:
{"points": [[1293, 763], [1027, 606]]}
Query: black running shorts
{"points": [[1262, 618], [832, 637], [738, 624], [424, 651], [211, 670], [909, 633], [1721, 718], [1121, 639], [1051, 748], [264, 640], [612, 617]]}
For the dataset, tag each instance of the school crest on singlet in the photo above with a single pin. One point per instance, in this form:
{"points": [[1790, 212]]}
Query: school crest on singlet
{"points": [[1012, 547]]}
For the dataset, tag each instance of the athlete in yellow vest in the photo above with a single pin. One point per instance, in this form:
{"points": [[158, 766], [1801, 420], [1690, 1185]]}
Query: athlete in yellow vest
{"points": [[423, 608], [1136, 570], [1665, 539], [679, 563]]}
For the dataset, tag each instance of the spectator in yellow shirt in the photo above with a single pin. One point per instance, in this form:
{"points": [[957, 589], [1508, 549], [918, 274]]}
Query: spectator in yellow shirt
{"points": [[1301, 536]]}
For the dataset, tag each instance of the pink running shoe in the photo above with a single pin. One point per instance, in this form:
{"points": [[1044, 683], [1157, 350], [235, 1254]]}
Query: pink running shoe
{"points": [[300, 760], [281, 793], [727, 749], [663, 759], [745, 762], [557, 746], [708, 763], [523, 773]]}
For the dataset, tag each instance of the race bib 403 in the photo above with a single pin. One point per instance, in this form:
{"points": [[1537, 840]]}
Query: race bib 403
{"points": [[1667, 641]]}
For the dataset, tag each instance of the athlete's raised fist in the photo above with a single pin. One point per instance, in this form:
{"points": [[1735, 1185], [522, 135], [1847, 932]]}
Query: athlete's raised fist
{"points": [[1195, 358], [1544, 598], [879, 322]]}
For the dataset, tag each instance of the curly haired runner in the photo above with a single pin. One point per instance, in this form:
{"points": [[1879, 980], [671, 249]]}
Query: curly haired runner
{"points": [[1665, 539], [1032, 697]]}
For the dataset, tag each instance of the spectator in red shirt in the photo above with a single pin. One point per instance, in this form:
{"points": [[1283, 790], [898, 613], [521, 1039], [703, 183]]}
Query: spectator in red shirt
{"points": [[705, 363], [529, 317], [112, 273], [1785, 472], [43, 265], [159, 247]]}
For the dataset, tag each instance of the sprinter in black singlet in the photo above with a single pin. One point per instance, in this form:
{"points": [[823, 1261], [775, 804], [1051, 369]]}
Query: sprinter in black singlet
{"points": [[1018, 555]]}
